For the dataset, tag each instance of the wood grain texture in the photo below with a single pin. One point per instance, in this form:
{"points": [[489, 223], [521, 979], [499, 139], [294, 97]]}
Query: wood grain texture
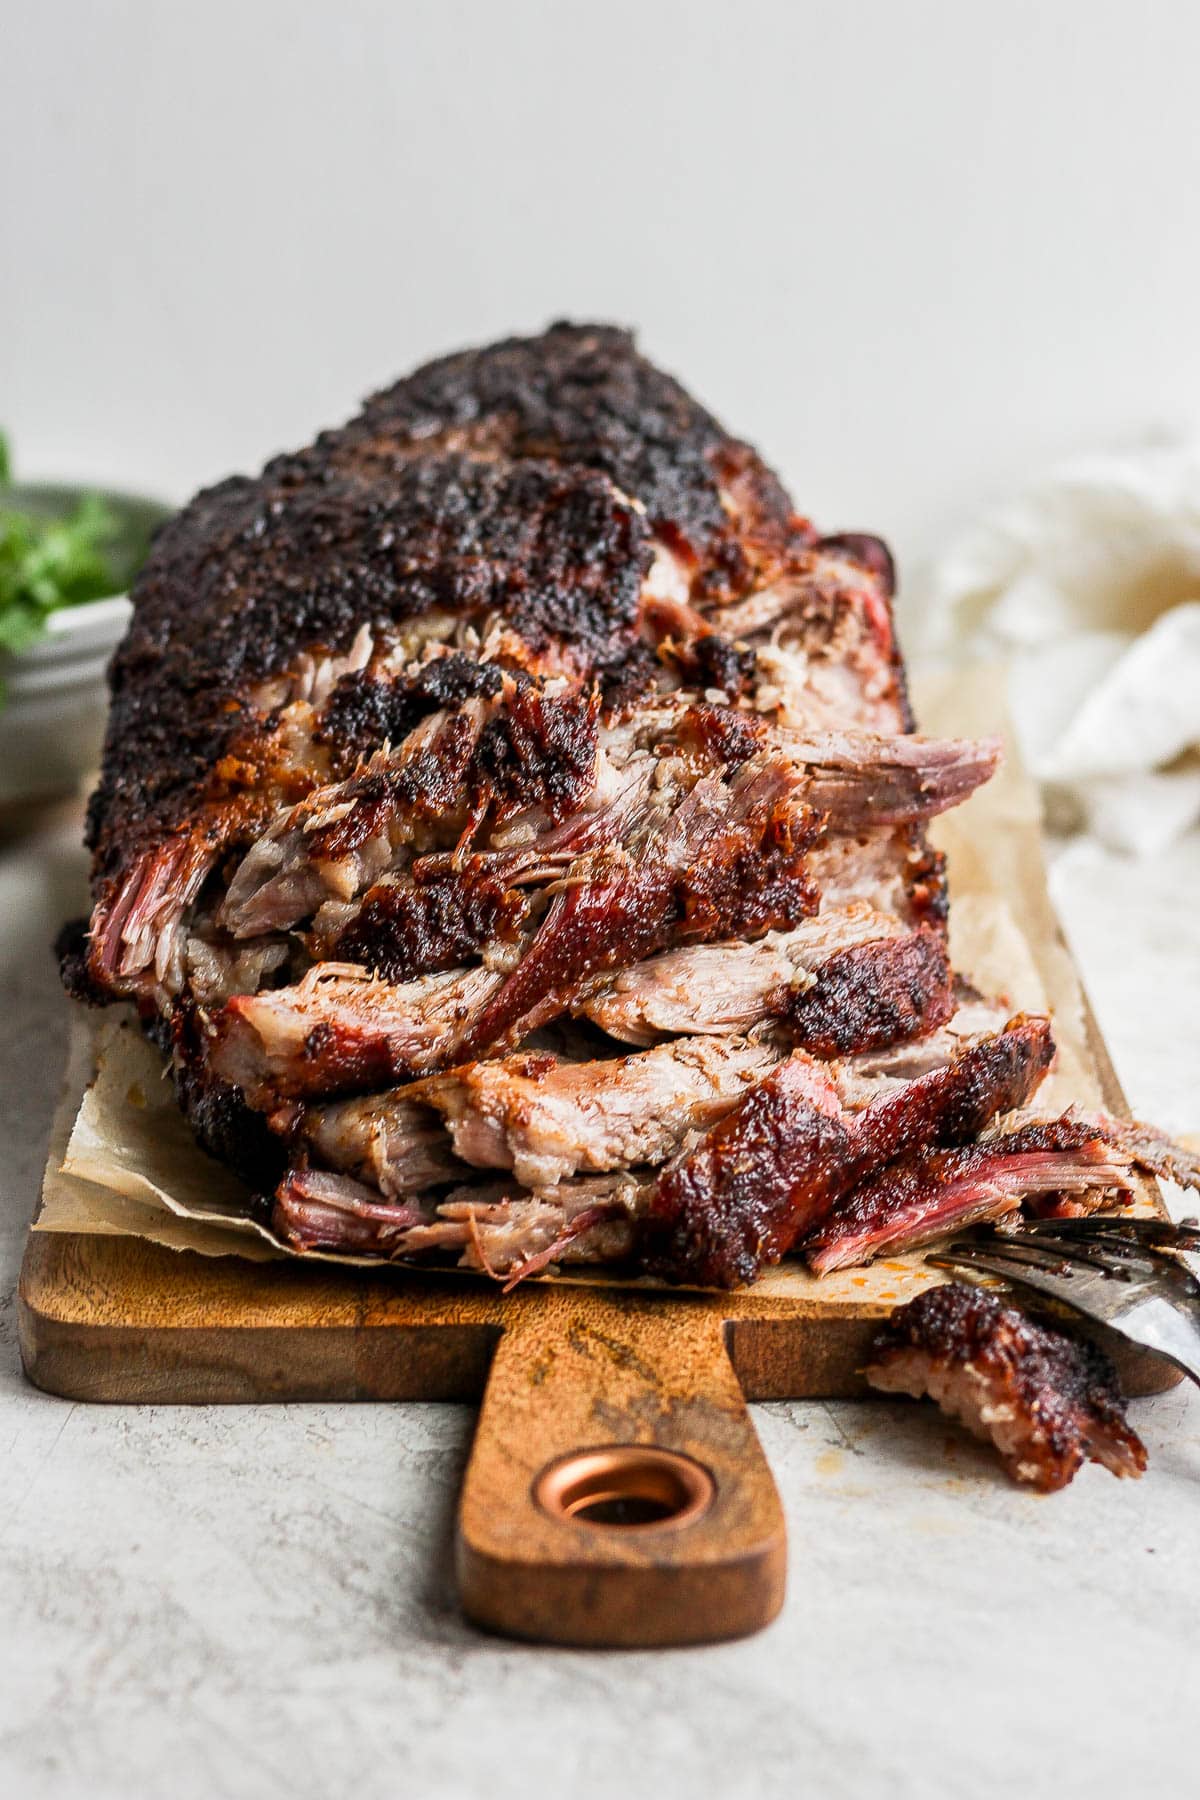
{"points": [[118, 1319], [585, 1370]]}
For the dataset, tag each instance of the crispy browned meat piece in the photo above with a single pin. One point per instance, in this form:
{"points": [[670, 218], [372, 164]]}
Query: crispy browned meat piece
{"points": [[1125, 1142], [728, 987], [871, 995], [936, 1192], [771, 1171], [406, 927], [1045, 1399], [338, 1032]]}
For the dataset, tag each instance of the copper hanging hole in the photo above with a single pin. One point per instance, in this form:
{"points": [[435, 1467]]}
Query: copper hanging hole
{"points": [[626, 1487]]}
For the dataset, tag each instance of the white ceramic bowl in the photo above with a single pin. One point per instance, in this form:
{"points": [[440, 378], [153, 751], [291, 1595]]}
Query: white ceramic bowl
{"points": [[52, 718]]}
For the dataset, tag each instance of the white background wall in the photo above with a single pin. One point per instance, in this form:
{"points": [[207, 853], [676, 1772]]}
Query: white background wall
{"points": [[914, 249]]}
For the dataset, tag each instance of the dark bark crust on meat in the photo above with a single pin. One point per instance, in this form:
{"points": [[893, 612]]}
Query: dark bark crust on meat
{"points": [[428, 785], [711, 660], [540, 751], [501, 479], [721, 736], [409, 928], [723, 1212], [872, 995], [72, 953], [1063, 1391], [581, 395], [365, 711]]}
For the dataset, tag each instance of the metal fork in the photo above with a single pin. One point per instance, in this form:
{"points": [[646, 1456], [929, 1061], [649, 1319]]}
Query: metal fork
{"points": [[1131, 1275]]}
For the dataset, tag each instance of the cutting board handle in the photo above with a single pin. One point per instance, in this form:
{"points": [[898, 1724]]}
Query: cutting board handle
{"points": [[617, 1493]]}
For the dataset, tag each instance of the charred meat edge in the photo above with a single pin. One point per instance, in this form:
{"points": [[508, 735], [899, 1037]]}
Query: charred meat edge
{"points": [[1048, 1401]]}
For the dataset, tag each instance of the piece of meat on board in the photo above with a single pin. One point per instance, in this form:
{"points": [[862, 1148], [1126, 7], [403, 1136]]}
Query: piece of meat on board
{"points": [[474, 721], [540, 1116], [506, 1232], [771, 1171], [1047, 1400], [338, 1031], [936, 1192]]}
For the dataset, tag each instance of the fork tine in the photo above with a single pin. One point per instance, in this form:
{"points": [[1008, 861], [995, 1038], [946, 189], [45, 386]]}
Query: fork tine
{"points": [[1045, 1253], [1041, 1280], [1082, 1227], [1095, 1227], [1115, 1257], [1143, 1257], [1165, 1234], [1158, 1310]]}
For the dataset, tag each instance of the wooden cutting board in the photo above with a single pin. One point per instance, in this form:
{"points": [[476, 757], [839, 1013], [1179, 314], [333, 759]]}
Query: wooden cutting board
{"points": [[657, 1520], [616, 1493]]}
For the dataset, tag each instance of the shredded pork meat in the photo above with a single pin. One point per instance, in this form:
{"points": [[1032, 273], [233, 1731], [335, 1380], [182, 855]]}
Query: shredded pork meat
{"points": [[544, 1118], [512, 822]]}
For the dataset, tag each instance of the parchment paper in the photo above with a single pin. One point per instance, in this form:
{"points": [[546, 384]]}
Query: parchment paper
{"points": [[123, 1161]]}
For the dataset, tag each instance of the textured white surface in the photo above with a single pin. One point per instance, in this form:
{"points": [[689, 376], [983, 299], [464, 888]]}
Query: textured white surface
{"points": [[245, 1602]]}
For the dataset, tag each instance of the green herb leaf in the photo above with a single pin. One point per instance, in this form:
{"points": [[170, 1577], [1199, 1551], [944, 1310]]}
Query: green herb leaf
{"points": [[46, 563]]}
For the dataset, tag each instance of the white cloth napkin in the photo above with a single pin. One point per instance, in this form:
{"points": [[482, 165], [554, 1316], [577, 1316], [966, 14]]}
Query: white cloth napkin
{"points": [[1089, 585]]}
